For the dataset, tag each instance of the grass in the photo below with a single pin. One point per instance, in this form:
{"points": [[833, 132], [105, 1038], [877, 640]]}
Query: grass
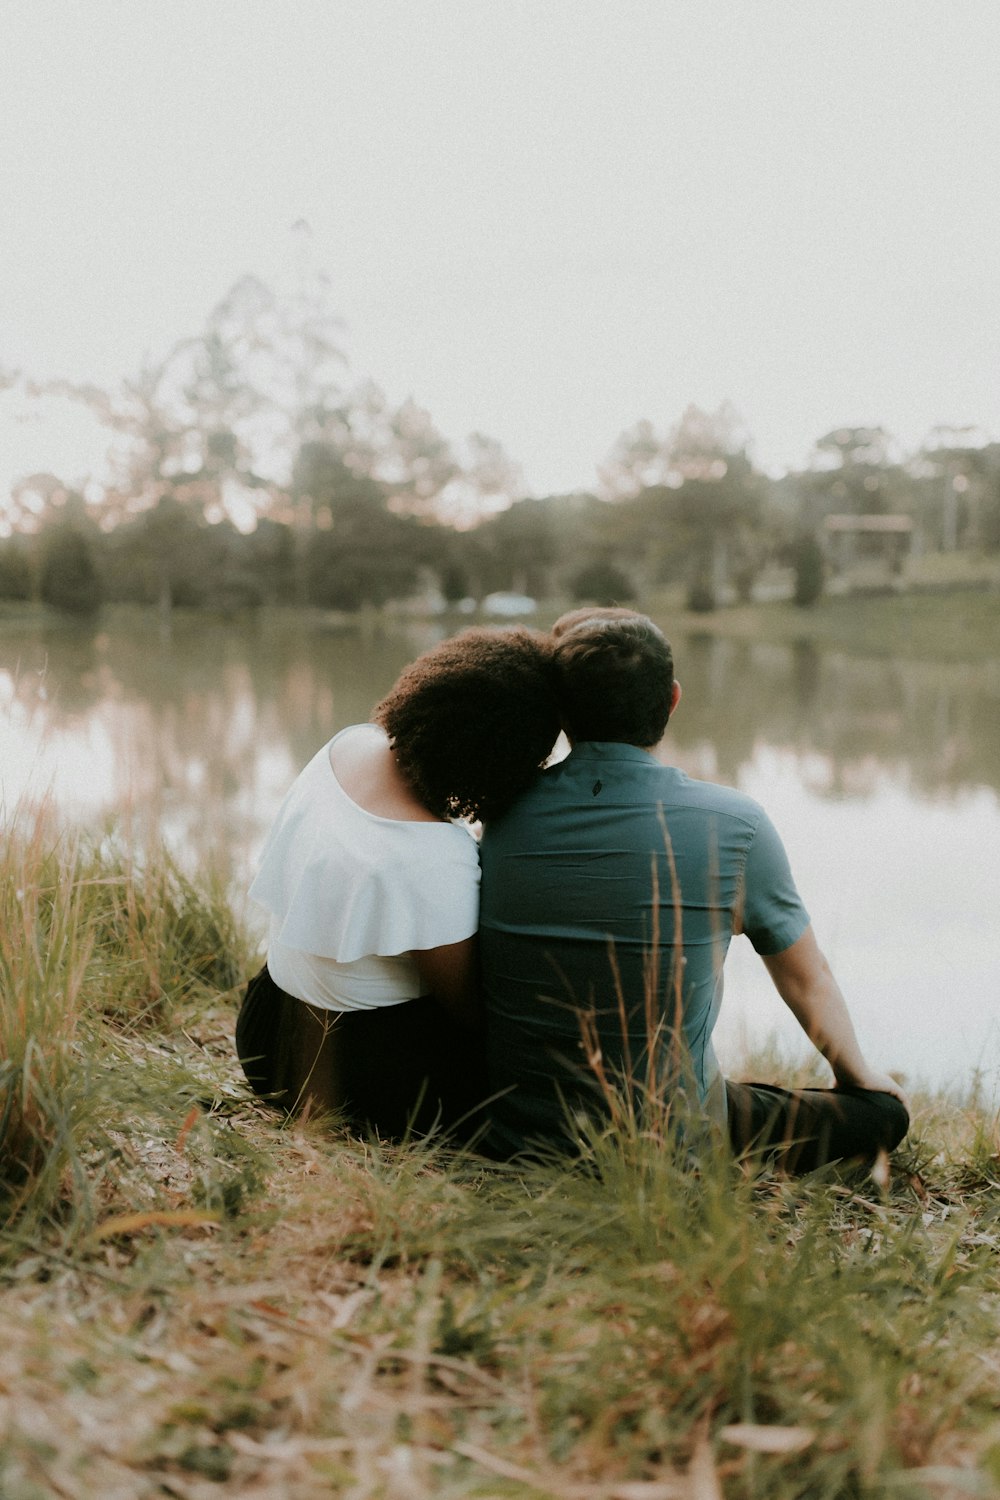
{"points": [[199, 1300], [939, 623], [955, 627]]}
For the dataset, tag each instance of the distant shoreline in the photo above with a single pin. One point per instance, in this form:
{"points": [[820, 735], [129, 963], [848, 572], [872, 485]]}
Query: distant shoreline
{"points": [[959, 623]]}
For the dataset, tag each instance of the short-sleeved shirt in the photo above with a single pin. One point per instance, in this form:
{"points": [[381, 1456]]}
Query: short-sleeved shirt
{"points": [[350, 894], [609, 896]]}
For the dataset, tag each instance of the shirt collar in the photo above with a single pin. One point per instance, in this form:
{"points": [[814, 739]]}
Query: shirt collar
{"points": [[610, 750]]}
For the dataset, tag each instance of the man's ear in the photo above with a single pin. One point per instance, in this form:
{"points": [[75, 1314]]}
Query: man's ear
{"points": [[675, 695]]}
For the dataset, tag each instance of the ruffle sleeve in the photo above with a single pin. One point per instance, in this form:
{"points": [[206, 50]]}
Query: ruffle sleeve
{"points": [[341, 884]]}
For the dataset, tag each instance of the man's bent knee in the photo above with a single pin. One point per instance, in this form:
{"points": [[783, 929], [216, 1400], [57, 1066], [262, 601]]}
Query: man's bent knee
{"points": [[894, 1119]]}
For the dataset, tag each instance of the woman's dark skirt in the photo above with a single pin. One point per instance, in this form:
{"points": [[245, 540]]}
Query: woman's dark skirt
{"points": [[398, 1070]]}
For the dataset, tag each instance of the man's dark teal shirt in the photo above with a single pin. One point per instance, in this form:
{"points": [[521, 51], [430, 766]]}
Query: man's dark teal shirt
{"points": [[610, 891]]}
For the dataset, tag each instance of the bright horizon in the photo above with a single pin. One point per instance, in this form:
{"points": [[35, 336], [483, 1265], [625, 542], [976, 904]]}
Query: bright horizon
{"points": [[543, 223]]}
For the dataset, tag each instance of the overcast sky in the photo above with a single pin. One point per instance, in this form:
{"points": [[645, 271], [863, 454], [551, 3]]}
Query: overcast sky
{"points": [[544, 219]]}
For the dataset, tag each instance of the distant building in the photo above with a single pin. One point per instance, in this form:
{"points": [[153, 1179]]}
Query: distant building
{"points": [[886, 540]]}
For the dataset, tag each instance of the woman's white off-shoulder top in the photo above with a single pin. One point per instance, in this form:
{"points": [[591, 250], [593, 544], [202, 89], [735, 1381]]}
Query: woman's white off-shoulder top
{"points": [[350, 895]]}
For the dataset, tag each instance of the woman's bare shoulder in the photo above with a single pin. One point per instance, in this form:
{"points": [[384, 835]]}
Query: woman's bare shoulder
{"points": [[366, 769]]}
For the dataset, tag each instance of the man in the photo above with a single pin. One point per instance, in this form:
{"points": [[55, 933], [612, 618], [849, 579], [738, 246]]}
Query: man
{"points": [[610, 893]]}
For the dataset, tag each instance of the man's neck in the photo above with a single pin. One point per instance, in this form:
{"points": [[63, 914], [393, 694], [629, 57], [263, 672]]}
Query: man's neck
{"points": [[648, 749]]}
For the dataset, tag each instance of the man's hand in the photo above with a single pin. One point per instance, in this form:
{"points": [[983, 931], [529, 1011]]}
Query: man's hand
{"points": [[882, 1083]]}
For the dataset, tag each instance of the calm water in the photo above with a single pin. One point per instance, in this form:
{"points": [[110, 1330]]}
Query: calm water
{"points": [[884, 779]]}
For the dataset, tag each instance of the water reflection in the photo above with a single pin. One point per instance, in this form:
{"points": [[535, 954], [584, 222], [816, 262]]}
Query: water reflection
{"points": [[202, 733], [882, 777], [851, 722]]}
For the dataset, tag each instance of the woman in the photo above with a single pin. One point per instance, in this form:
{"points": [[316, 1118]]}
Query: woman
{"points": [[368, 1002]]}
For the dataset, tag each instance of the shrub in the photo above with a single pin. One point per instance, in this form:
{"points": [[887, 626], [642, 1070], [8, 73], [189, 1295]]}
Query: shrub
{"points": [[701, 594]]}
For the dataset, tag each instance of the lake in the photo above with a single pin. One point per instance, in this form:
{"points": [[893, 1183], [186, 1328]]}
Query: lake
{"points": [[883, 778]]}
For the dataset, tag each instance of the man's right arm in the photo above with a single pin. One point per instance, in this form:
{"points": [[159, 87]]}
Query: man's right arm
{"points": [[806, 983]]}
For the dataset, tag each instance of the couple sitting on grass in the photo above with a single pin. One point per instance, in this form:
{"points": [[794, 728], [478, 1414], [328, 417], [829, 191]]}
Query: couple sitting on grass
{"points": [[415, 980]]}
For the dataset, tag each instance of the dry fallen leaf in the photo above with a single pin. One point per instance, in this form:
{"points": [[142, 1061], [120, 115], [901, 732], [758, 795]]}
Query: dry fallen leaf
{"points": [[190, 1120], [651, 1489], [761, 1439], [179, 1218], [880, 1171], [702, 1475]]}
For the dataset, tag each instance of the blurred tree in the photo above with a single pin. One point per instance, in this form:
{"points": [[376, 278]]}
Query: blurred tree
{"points": [[686, 507], [750, 558], [419, 472], [638, 461], [491, 471], [990, 515], [329, 489], [369, 558], [517, 549], [704, 444], [216, 423], [855, 447], [809, 565], [269, 551], [630, 534], [38, 500], [68, 576], [489, 481], [850, 474], [356, 551], [601, 582], [716, 513], [357, 425], [163, 556], [961, 470], [453, 581], [701, 595], [468, 566], [207, 430], [417, 463], [16, 573]]}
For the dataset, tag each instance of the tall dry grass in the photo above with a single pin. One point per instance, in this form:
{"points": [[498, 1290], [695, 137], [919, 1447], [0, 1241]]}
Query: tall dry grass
{"points": [[98, 944], [46, 950]]}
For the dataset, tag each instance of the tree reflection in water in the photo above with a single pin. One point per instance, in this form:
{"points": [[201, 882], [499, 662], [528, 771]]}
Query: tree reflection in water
{"points": [[852, 721]]}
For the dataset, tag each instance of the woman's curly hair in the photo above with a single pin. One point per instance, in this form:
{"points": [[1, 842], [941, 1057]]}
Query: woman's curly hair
{"points": [[472, 720]]}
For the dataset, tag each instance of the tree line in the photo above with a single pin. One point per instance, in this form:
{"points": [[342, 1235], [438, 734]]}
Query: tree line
{"points": [[247, 471]]}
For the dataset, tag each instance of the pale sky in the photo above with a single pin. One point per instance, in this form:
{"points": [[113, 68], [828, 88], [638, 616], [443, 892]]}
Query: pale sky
{"points": [[544, 219]]}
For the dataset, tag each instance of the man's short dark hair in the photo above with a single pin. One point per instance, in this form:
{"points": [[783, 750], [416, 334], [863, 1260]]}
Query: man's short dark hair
{"points": [[615, 676]]}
